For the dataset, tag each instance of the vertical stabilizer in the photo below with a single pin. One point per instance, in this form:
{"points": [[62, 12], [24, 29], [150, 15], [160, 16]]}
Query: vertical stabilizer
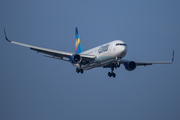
{"points": [[77, 43]]}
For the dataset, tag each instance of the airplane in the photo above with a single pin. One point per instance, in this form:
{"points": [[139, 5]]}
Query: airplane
{"points": [[109, 55]]}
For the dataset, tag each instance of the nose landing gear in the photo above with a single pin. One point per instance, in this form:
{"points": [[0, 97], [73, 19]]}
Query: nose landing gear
{"points": [[112, 73]]}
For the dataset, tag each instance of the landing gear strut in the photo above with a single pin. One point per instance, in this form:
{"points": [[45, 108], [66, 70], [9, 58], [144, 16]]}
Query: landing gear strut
{"points": [[112, 73], [79, 70]]}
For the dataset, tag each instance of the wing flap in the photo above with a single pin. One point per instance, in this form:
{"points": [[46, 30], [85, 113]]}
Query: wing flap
{"points": [[52, 52], [87, 58], [60, 58], [139, 63]]}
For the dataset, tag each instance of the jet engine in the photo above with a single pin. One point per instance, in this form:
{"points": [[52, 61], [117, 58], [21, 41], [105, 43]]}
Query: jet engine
{"points": [[75, 58], [131, 65]]}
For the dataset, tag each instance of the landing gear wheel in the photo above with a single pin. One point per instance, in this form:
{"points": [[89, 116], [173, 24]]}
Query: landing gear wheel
{"points": [[77, 70], [109, 74], [81, 71], [114, 75]]}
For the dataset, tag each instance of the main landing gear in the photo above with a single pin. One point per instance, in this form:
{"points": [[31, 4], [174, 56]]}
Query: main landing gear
{"points": [[112, 73], [79, 70]]}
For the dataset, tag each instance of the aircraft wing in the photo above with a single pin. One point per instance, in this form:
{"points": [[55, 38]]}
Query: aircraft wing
{"points": [[138, 63], [53, 53]]}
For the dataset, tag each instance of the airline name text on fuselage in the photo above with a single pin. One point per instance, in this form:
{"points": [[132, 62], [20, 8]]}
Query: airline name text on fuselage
{"points": [[103, 48]]}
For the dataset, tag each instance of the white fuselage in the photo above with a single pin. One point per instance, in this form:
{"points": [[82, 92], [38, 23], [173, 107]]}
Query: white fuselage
{"points": [[105, 53]]}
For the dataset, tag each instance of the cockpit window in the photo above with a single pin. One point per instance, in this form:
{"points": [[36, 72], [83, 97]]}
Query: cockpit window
{"points": [[120, 44]]}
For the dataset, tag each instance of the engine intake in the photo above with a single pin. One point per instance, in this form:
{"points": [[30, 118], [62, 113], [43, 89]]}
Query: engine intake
{"points": [[75, 58], [131, 65]]}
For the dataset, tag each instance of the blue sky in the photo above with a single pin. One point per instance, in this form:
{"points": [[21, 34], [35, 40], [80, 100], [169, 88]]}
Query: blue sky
{"points": [[36, 87]]}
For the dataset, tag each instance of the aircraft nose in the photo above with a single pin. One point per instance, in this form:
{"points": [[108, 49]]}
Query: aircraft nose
{"points": [[124, 51]]}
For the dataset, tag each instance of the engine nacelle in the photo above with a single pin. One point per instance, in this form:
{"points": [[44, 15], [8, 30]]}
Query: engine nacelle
{"points": [[75, 58], [131, 65]]}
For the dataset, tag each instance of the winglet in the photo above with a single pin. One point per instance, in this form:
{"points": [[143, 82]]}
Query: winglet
{"points": [[173, 56], [77, 44], [6, 36]]}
